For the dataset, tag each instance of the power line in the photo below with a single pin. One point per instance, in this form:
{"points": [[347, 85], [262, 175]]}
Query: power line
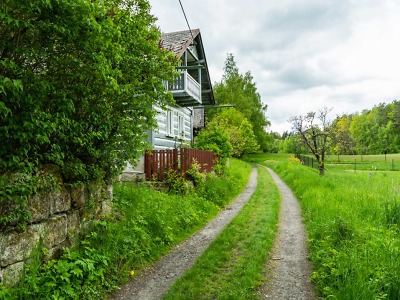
{"points": [[187, 22]]}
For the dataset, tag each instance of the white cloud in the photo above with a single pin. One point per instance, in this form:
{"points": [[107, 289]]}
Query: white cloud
{"points": [[303, 54]]}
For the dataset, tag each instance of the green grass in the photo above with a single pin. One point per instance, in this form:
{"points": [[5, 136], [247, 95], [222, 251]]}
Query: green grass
{"points": [[353, 223], [231, 268], [145, 224], [389, 162]]}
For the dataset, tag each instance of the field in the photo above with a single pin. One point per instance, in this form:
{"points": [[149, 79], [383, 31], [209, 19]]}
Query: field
{"points": [[352, 218], [388, 162]]}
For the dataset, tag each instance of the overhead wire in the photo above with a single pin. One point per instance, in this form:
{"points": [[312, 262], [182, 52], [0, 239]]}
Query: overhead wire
{"points": [[187, 22]]}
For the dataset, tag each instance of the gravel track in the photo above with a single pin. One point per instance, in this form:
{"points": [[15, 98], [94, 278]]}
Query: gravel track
{"points": [[156, 280], [289, 267]]}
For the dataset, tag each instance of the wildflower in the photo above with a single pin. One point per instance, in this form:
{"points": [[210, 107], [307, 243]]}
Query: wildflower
{"points": [[132, 273]]}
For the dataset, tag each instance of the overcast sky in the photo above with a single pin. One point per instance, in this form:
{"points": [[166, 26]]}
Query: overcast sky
{"points": [[303, 54]]}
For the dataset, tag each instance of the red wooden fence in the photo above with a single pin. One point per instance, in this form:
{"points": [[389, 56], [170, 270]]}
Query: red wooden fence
{"points": [[158, 162]]}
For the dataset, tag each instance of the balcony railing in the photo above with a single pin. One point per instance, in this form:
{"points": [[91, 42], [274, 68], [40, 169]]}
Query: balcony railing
{"points": [[186, 90]]}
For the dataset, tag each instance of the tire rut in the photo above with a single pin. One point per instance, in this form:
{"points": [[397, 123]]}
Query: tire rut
{"points": [[288, 266]]}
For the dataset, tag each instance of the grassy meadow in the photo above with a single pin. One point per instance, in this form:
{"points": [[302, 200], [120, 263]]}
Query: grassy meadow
{"points": [[353, 223], [388, 162]]}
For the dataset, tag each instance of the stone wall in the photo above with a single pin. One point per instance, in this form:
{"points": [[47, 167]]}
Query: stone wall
{"points": [[57, 218]]}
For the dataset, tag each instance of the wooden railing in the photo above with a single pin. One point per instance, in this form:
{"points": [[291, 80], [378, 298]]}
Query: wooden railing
{"points": [[186, 84], [157, 163]]}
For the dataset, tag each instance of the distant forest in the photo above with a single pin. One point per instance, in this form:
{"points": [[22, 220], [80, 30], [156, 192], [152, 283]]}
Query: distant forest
{"points": [[373, 131]]}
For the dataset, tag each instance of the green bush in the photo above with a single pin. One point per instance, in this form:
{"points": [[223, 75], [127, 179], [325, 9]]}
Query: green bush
{"points": [[216, 140], [176, 183], [239, 130], [77, 83]]}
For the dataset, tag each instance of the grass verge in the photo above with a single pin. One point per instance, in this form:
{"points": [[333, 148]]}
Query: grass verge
{"points": [[144, 225], [353, 224], [232, 267]]}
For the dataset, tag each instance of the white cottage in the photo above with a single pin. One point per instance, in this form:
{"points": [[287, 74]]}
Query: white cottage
{"points": [[192, 91]]}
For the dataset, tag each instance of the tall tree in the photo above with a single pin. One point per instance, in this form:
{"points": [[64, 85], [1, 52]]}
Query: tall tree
{"points": [[241, 91], [343, 143], [315, 132], [77, 82]]}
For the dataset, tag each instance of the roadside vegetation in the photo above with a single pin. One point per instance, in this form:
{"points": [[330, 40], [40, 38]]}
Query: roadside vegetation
{"points": [[232, 267], [145, 224], [353, 224]]}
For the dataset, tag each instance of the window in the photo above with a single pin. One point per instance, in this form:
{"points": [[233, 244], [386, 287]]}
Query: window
{"points": [[181, 125], [169, 123]]}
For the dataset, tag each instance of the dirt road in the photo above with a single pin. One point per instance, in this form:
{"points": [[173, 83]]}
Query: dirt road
{"points": [[289, 267], [156, 280]]}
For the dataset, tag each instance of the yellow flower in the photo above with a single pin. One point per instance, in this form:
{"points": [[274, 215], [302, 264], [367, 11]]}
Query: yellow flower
{"points": [[132, 273]]}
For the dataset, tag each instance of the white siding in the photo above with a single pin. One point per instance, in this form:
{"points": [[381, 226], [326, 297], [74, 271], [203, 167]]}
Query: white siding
{"points": [[162, 139]]}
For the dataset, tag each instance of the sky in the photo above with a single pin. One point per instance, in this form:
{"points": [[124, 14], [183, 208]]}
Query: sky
{"points": [[304, 55]]}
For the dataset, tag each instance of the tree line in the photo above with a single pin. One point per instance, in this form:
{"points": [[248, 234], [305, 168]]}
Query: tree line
{"points": [[371, 131]]}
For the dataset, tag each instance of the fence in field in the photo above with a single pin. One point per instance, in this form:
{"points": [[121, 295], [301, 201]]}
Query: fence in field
{"points": [[157, 163], [308, 161], [356, 162]]}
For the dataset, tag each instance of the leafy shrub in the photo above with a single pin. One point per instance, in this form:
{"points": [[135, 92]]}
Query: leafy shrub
{"points": [[294, 159], [77, 86], [216, 140], [239, 130], [198, 177], [176, 183]]}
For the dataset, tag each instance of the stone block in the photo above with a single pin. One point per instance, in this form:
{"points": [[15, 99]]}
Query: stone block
{"points": [[138, 166], [132, 177], [106, 208], [55, 231], [16, 247], [60, 200], [12, 274], [39, 207], [78, 196], [95, 192], [54, 253], [74, 224]]}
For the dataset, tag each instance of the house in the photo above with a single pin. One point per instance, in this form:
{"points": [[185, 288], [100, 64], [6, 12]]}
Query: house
{"points": [[192, 90]]}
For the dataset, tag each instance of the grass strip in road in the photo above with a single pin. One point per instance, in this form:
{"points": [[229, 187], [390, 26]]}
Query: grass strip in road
{"points": [[232, 267]]}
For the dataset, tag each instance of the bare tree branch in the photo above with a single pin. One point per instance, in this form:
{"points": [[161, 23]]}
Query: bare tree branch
{"points": [[315, 132]]}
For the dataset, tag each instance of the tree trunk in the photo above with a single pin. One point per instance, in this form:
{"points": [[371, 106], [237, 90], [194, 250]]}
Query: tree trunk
{"points": [[321, 168]]}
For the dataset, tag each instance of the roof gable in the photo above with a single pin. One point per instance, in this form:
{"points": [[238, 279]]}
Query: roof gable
{"points": [[190, 40], [178, 42]]}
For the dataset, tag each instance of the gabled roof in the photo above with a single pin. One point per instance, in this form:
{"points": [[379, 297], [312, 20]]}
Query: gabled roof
{"points": [[178, 43]]}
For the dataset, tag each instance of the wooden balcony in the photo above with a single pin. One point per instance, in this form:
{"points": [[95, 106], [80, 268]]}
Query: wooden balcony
{"points": [[186, 90]]}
